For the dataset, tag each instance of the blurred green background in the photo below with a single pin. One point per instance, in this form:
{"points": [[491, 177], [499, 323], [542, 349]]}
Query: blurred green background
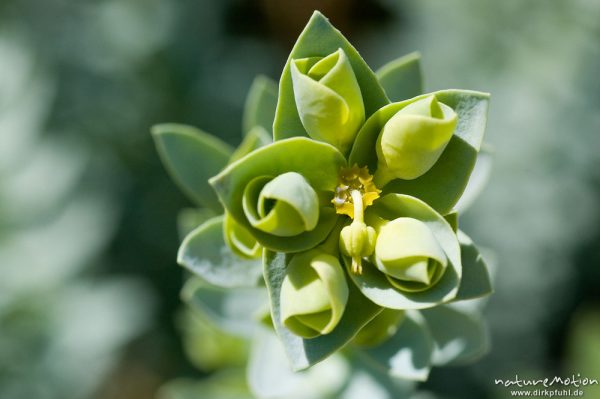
{"points": [[89, 288]]}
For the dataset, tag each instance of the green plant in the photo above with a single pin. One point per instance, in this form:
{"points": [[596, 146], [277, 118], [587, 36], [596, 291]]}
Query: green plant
{"points": [[347, 218]]}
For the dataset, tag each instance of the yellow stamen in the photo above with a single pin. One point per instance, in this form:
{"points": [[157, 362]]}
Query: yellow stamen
{"points": [[352, 180], [354, 193]]}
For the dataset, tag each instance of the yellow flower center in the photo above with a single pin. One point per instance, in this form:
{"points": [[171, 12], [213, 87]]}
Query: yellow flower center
{"points": [[355, 192]]}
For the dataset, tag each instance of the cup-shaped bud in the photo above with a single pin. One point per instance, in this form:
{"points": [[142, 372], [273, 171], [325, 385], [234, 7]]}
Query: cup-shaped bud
{"points": [[412, 140], [284, 206], [314, 294], [409, 255], [328, 98], [239, 239]]}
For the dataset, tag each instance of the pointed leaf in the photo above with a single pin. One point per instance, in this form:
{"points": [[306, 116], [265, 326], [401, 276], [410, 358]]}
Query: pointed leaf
{"points": [[452, 219], [441, 186], [235, 311], [304, 353], [319, 163], [374, 284], [191, 157], [261, 102], [459, 337], [370, 380], [320, 39], [408, 353], [204, 253], [479, 178], [402, 78], [255, 138], [208, 347], [270, 375], [475, 281], [189, 219]]}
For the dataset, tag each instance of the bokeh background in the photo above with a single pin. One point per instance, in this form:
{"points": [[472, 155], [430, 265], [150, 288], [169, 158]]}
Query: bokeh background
{"points": [[89, 288]]}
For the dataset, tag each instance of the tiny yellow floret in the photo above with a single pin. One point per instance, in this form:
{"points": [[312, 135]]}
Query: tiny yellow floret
{"points": [[354, 179]]}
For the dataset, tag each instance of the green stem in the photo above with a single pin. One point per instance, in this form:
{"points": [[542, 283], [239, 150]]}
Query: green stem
{"points": [[358, 206], [358, 218]]}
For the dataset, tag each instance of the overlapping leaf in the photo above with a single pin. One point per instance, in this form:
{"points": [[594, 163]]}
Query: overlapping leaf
{"points": [[319, 163], [374, 284], [459, 336], [320, 39], [408, 354], [304, 353], [191, 158], [261, 101], [204, 253], [402, 78], [442, 186]]}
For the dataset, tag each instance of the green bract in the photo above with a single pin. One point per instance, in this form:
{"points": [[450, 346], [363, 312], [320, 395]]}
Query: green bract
{"points": [[413, 139], [313, 294], [442, 185], [382, 327], [284, 206], [409, 254], [351, 209], [417, 262], [319, 40], [328, 98], [284, 211]]}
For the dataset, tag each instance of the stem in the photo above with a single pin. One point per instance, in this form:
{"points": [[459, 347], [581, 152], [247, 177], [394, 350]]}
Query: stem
{"points": [[358, 218], [358, 206]]}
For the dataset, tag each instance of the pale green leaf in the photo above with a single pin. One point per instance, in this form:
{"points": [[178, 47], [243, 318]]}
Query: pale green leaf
{"points": [[408, 353], [207, 346], [235, 311], [204, 253], [261, 101], [320, 39], [286, 205], [328, 98], [370, 380], [459, 337], [401, 78], [374, 283], [478, 180], [441, 186], [255, 138], [191, 157], [189, 219], [304, 353], [270, 375], [475, 281], [319, 163]]}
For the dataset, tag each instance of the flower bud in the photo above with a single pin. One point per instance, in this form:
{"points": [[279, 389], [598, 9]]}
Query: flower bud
{"points": [[412, 140], [284, 206], [328, 98], [313, 294], [409, 255]]}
